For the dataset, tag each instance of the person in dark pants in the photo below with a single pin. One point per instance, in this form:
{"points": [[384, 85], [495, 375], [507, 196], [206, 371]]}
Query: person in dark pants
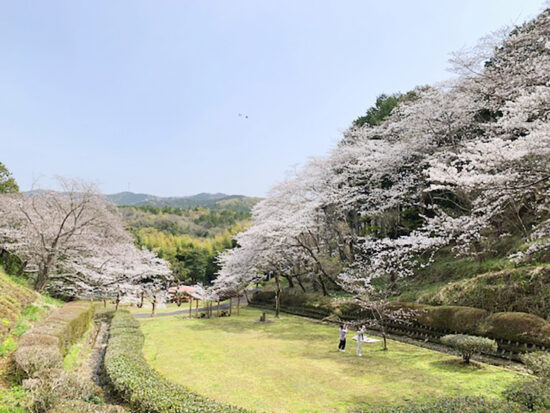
{"points": [[343, 333]]}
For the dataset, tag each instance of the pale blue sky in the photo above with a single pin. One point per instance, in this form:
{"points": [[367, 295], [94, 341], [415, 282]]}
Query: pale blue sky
{"points": [[147, 93]]}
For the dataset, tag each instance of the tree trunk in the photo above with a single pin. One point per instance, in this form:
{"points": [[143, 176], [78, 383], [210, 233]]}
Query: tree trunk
{"points": [[277, 295], [154, 304], [300, 284], [190, 307], [218, 307], [41, 278], [22, 269], [117, 301], [238, 304], [290, 282], [4, 257], [323, 286], [384, 337], [230, 305]]}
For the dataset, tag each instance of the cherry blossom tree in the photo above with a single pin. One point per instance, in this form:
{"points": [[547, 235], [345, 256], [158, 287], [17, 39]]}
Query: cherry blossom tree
{"points": [[75, 243], [456, 164]]}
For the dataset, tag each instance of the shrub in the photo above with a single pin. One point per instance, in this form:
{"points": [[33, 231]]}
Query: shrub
{"points": [[78, 406], [53, 387], [532, 395], [467, 346], [263, 297], [461, 319], [456, 405], [538, 362], [43, 347], [145, 390], [517, 327], [31, 359]]}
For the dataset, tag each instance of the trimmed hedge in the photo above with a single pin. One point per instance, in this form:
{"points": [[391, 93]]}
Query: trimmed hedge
{"points": [[521, 327], [457, 405], [44, 346], [145, 390], [512, 326]]}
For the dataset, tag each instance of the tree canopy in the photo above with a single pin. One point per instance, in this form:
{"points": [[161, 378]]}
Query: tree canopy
{"points": [[7, 181], [463, 165]]}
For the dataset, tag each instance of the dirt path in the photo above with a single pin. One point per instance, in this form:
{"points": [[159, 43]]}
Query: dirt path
{"points": [[98, 352]]}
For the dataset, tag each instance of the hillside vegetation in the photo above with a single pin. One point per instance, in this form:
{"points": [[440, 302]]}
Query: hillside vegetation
{"points": [[204, 200], [440, 195], [14, 297], [189, 238]]}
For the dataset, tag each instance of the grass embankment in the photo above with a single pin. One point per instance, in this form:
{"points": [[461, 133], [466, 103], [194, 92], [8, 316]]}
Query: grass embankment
{"points": [[292, 364], [494, 284], [20, 309]]}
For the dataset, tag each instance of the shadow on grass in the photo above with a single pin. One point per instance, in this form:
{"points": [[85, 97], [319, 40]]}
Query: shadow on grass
{"points": [[457, 365], [287, 328]]}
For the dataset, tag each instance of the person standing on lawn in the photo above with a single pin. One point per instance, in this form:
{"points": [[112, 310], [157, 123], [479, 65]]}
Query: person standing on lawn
{"points": [[360, 338], [343, 333]]}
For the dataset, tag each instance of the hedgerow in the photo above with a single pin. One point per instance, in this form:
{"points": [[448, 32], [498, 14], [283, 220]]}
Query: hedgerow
{"points": [[455, 405], [44, 346], [145, 390]]}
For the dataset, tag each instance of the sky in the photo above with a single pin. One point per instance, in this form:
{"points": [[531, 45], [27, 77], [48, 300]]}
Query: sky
{"points": [[146, 95]]}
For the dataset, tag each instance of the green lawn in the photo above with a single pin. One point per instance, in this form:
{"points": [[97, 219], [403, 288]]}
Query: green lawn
{"points": [[165, 308], [292, 365]]}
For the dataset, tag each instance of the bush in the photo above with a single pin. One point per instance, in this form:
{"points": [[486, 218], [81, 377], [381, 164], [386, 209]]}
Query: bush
{"points": [[467, 346], [532, 395], [44, 346], [32, 359], [521, 327], [538, 362], [78, 406], [263, 297], [460, 319], [53, 387], [145, 390], [456, 405]]}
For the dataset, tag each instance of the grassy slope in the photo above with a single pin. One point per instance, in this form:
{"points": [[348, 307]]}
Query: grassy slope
{"points": [[21, 307], [14, 297], [292, 365]]}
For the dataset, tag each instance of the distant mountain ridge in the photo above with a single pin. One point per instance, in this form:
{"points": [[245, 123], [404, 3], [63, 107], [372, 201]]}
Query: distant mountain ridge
{"points": [[206, 200]]}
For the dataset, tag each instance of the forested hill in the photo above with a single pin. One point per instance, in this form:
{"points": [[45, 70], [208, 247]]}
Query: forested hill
{"points": [[189, 232], [189, 238], [205, 200]]}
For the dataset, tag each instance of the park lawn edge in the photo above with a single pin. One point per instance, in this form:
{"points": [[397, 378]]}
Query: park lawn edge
{"points": [[143, 388]]}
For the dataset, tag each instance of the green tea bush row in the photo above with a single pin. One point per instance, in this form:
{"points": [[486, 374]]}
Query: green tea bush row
{"points": [[533, 393], [145, 390], [468, 404], [44, 346]]}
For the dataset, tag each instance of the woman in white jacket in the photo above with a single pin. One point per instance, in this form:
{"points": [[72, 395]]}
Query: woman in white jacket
{"points": [[360, 338]]}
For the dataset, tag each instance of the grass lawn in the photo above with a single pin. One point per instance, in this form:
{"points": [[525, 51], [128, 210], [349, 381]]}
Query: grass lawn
{"points": [[292, 365], [165, 308]]}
